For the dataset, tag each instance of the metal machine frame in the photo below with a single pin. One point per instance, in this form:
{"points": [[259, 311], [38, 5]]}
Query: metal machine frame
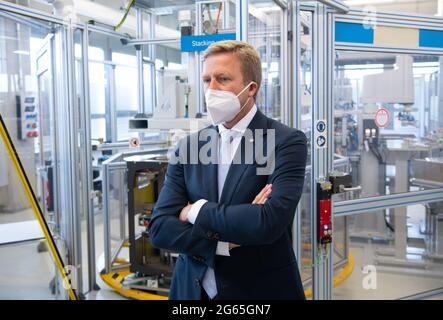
{"points": [[325, 13], [399, 201]]}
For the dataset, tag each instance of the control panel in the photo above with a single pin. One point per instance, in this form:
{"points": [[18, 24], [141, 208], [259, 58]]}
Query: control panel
{"points": [[324, 211], [27, 117], [336, 182]]}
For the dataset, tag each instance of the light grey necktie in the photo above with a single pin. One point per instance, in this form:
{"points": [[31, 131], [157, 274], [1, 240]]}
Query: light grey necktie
{"points": [[225, 157]]}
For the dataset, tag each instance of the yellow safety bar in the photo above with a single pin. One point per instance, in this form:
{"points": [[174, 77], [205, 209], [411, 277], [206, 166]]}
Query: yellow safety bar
{"points": [[35, 206]]}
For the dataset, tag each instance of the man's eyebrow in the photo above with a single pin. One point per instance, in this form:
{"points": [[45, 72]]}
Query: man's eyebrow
{"points": [[217, 74]]}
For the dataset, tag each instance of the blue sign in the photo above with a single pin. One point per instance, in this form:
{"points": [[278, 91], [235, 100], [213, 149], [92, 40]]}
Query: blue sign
{"points": [[431, 38], [200, 43], [353, 32], [321, 141], [321, 126]]}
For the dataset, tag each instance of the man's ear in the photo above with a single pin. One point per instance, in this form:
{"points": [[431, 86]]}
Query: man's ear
{"points": [[253, 88]]}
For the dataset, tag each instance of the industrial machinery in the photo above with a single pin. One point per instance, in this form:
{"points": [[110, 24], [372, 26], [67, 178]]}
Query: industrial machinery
{"points": [[428, 173], [151, 267]]}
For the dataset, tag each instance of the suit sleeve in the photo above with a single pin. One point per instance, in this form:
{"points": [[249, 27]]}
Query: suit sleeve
{"points": [[166, 230], [254, 224]]}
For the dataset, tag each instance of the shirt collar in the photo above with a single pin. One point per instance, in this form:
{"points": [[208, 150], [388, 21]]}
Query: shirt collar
{"points": [[243, 124]]}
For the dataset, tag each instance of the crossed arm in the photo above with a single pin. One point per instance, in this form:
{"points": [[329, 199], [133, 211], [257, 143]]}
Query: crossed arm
{"points": [[259, 199], [257, 223]]}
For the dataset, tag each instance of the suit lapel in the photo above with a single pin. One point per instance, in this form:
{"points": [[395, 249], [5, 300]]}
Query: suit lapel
{"points": [[236, 171], [210, 171]]}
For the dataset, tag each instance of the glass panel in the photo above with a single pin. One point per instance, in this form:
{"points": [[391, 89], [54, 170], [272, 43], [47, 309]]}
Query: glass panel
{"points": [[125, 93], [27, 107], [407, 86], [265, 34], [27, 270], [403, 154], [98, 129], [97, 87], [118, 208], [173, 77], [33, 104], [378, 272], [113, 85]]}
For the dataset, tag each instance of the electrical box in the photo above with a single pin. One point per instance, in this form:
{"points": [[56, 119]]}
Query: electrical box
{"points": [[370, 131], [340, 180], [324, 212], [325, 221]]}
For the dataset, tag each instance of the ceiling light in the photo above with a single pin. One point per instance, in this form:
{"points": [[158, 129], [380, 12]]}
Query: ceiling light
{"points": [[22, 52]]}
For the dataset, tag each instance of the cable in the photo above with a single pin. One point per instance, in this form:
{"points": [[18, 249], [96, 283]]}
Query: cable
{"points": [[376, 154], [218, 16], [125, 15], [389, 225], [211, 22]]}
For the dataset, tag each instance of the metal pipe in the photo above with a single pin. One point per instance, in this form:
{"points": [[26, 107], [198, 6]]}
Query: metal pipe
{"points": [[335, 4], [196, 60], [117, 252], [29, 12], [424, 295], [292, 114], [242, 20], [113, 134], [109, 32], [116, 166], [151, 34], [139, 55], [284, 61], [122, 199], [73, 132], [89, 187], [358, 206], [281, 4], [152, 41], [26, 21], [118, 145], [106, 225]]}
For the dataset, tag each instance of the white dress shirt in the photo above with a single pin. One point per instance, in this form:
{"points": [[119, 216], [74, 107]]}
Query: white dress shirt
{"points": [[228, 144]]}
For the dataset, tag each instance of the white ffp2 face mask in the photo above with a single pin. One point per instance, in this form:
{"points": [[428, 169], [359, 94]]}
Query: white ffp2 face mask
{"points": [[223, 106]]}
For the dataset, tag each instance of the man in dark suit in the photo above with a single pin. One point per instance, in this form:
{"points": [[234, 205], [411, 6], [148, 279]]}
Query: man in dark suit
{"points": [[230, 218]]}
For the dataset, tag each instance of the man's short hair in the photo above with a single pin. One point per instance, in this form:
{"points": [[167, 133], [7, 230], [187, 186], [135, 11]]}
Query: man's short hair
{"points": [[247, 54]]}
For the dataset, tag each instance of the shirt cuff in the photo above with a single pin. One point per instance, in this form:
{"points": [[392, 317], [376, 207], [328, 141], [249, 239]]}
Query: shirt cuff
{"points": [[222, 249], [195, 209]]}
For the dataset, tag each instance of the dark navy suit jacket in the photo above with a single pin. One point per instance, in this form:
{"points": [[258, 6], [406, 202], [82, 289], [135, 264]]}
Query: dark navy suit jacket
{"points": [[264, 266]]}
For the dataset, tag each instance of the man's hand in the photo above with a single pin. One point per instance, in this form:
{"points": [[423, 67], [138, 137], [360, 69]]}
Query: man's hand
{"points": [[259, 199], [184, 213], [263, 195]]}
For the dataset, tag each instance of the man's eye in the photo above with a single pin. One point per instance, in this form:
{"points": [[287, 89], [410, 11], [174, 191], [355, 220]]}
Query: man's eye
{"points": [[223, 79]]}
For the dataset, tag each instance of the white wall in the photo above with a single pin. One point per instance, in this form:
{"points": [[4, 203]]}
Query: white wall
{"points": [[420, 7]]}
